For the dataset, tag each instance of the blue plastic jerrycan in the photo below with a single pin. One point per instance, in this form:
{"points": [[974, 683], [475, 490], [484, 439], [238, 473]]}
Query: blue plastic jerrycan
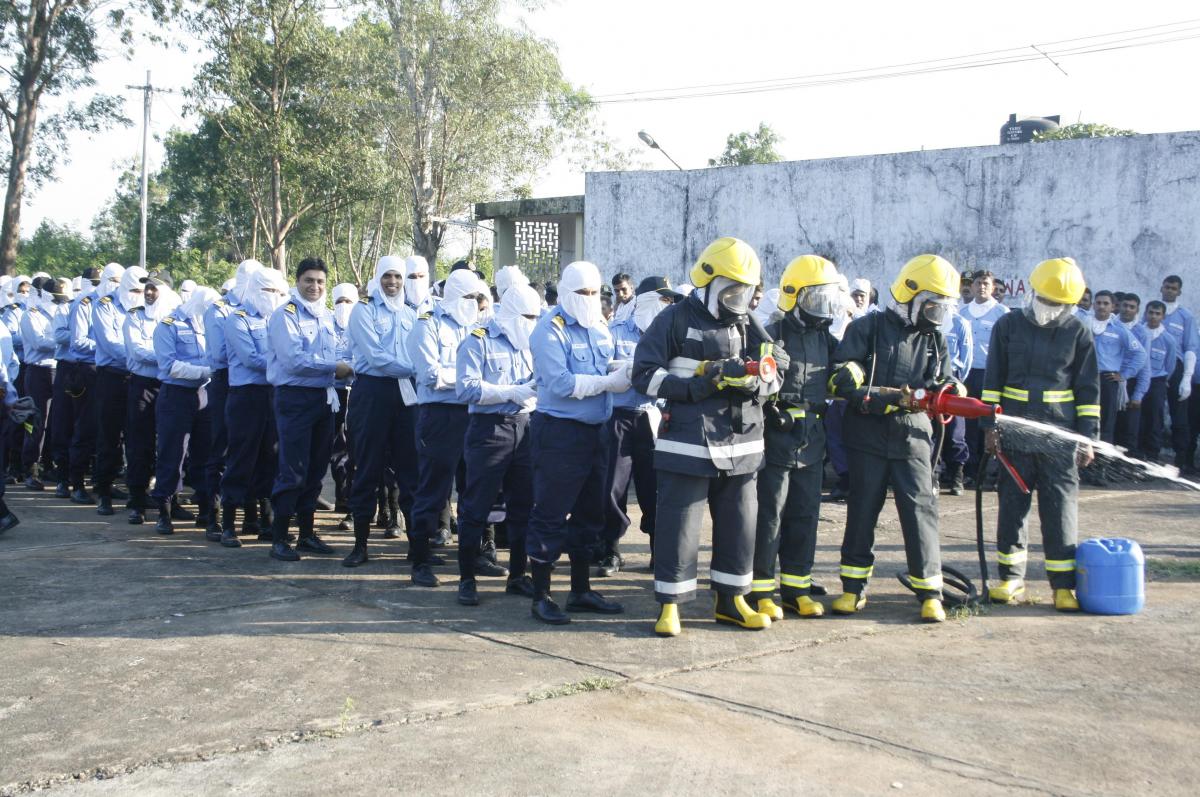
{"points": [[1110, 576]]}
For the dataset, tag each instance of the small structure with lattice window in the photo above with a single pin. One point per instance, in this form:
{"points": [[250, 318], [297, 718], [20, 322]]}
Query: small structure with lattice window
{"points": [[539, 235]]}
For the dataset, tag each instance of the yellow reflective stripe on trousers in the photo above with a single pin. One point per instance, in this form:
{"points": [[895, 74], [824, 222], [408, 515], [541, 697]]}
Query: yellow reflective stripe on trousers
{"points": [[933, 582], [1014, 558], [1015, 393], [1060, 565], [991, 396], [856, 572], [762, 585], [796, 413], [1057, 396], [1087, 410], [800, 582]]}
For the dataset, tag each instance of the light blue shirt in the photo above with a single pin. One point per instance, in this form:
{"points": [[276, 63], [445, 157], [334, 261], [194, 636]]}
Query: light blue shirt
{"points": [[139, 344], [625, 337], [1164, 353], [981, 332], [561, 349], [485, 355], [246, 347], [59, 316], [8, 356], [82, 347], [379, 339], [302, 349], [433, 348], [345, 351], [1182, 326], [1137, 391], [11, 315], [961, 343], [37, 337], [1118, 350], [214, 333], [176, 339], [108, 328]]}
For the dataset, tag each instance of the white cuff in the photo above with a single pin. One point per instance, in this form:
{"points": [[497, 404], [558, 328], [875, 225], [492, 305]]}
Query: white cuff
{"points": [[447, 378]]}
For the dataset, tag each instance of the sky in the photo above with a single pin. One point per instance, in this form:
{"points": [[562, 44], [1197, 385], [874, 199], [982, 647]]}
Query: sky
{"points": [[621, 49]]}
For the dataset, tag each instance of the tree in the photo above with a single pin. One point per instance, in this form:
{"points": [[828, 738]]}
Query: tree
{"points": [[478, 107], [1081, 130], [50, 48], [743, 149], [116, 230], [57, 250]]}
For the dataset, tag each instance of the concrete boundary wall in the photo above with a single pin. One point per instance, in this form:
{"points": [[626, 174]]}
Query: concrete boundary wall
{"points": [[1128, 209]]}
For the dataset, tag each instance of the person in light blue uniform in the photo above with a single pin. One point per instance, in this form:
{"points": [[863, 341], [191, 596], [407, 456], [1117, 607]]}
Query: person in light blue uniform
{"points": [[382, 416], [11, 316], [302, 366], [442, 417], [252, 458], [495, 376], [1180, 323], [572, 350], [82, 388], [37, 341], [1162, 359], [112, 380], [341, 463], [953, 449], [181, 412], [218, 388], [1129, 419], [630, 430], [981, 315], [7, 519], [1119, 356], [62, 403]]}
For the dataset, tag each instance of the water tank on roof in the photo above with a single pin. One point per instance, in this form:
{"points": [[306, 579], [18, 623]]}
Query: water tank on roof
{"points": [[1020, 131]]}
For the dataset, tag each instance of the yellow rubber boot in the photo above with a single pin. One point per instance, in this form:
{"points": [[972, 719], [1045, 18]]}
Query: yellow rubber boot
{"points": [[932, 611], [1065, 601], [849, 603], [805, 607], [734, 610], [770, 609], [1007, 591], [668, 621]]}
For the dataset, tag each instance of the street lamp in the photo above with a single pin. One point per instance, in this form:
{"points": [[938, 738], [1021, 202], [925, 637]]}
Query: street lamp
{"points": [[652, 144]]}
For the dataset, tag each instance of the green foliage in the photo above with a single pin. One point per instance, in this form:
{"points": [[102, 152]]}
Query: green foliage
{"points": [[1081, 130], [743, 149], [57, 250]]}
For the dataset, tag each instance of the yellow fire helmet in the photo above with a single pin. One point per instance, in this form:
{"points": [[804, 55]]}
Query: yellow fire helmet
{"points": [[1058, 280], [925, 273], [727, 257], [804, 272]]}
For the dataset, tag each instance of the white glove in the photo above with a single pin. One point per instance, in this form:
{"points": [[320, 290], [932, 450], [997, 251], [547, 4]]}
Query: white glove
{"points": [[182, 370], [618, 381], [621, 365], [446, 379], [498, 394], [519, 394], [1189, 370], [1185, 389], [587, 385]]}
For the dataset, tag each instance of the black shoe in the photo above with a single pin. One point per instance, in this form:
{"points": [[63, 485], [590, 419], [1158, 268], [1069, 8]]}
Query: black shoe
{"points": [[817, 589], [284, 553], [324, 505], [433, 559], [104, 506], [423, 576], [356, 557], [8, 521], [213, 534], [61, 490], [346, 523], [468, 595], [33, 483], [229, 540], [520, 585], [81, 496], [441, 539], [136, 517], [546, 610], [179, 513], [314, 544], [164, 526], [610, 565], [592, 601], [391, 532], [486, 567]]}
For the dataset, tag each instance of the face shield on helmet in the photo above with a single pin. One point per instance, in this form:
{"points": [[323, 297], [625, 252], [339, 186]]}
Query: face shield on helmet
{"points": [[819, 301], [934, 311], [1044, 312], [728, 300]]}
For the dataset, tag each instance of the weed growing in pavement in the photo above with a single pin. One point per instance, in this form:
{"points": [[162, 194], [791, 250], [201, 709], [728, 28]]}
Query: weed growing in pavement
{"points": [[593, 684], [1172, 568], [344, 718], [964, 612]]}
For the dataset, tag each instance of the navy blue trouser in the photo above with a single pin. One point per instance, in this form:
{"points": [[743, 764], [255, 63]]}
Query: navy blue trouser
{"points": [[382, 434], [631, 458], [81, 389], [62, 420], [1154, 408], [497, 454], [441, 430], [39, 386], [251, 459], [304, 422], [954, 441], [214, 464], [15, 433], [974, 385], [570, 460], [112, 391], [341, 459], [1180, 432], [140, 434], [833, 437], [183, 428]]}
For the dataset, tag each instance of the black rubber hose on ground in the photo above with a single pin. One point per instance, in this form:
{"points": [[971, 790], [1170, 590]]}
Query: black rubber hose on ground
{"points": [[979, 545]]}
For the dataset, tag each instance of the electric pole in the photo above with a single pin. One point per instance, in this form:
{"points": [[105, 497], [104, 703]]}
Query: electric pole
{"points": [[147, 90]]}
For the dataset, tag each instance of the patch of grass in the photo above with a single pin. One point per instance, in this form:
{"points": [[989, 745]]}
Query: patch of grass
{"points": [[593, 684], [964, 612], [344, 718], [1163, 569]]}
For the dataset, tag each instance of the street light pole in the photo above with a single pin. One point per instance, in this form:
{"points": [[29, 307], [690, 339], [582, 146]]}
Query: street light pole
{"points": [[652, 144], [146, 90]]}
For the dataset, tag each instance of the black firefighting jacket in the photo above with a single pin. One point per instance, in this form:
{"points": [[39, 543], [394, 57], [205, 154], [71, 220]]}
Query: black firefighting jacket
{"points": [[802, 392]]}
